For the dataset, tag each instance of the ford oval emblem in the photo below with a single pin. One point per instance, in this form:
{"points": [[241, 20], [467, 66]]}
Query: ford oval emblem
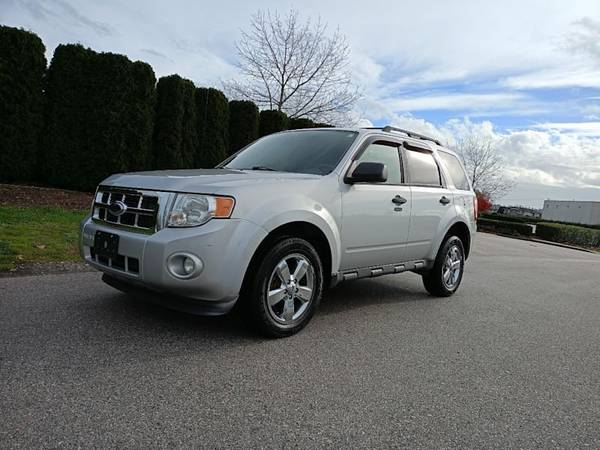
{"points": [[117, 208]]}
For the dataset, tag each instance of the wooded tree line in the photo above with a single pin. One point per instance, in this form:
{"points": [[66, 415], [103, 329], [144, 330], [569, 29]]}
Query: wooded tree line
{"points": [[88, 115]]}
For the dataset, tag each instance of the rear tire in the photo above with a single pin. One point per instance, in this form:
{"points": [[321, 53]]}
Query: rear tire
{"points": [[446, 275], [285, 291]]}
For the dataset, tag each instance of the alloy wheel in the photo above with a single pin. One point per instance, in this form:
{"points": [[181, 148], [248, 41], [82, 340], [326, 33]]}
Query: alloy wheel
{"points": [[453, 264], [290, 288]]}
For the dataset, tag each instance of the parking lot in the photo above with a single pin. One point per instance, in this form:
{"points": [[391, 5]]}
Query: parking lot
{"points": [[512, 360]]}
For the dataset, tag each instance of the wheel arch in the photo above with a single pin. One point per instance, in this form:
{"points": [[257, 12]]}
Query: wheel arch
{"points": [[463, 232], [300, 229]]}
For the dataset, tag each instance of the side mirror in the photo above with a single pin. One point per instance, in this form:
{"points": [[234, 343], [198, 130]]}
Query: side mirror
{"points": [[368, 172]]}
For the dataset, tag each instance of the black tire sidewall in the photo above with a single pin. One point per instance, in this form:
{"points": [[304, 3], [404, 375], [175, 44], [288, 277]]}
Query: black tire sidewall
{"points": [[259, 308], [434, 279]]}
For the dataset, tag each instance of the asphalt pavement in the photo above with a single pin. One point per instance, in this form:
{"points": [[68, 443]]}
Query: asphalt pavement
{"points": [[512, 360]]}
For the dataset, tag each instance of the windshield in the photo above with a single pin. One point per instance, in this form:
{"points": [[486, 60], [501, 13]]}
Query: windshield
{"points": [[311, 151]]}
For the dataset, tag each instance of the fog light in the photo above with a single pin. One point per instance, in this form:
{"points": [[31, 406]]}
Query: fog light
{"points": [[188, 265], [184, 265]]}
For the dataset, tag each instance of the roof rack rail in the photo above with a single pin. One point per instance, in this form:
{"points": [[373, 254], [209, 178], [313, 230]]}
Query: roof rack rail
{"points": [[411, 134]]}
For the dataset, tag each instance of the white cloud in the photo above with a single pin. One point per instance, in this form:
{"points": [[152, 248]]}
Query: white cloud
{"points": [[554, 78], [408, 122], [459, 102], [559, 159], [578, 128], [553, 158], [586, 38], [366, 72], [576, 61], [591, 111]]}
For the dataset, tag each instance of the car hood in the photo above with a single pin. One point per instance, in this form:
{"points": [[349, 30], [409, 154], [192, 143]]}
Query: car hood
{"points": [[202, 181]]}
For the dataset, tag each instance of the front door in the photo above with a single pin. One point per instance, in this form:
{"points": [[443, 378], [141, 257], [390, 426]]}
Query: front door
{"points": [[376, 216]]}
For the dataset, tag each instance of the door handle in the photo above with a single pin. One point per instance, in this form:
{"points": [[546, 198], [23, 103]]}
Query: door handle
{"points": [[444, 200], [399, 200]]}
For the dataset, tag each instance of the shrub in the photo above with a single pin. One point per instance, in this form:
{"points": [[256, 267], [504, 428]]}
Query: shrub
{"points": [[175, 140], [7, 255], [272, 121], [22, 67], [568, 234], [302, 122], [323, 125], [504, 227], [504, 218], [213, 127], [558, 222], [484, 204], [98, 116], [496, 216], [243, 124]]}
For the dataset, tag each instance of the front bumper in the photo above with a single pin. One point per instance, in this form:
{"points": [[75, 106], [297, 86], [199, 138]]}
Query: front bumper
{"points": [[171, 301], [225, 247]]}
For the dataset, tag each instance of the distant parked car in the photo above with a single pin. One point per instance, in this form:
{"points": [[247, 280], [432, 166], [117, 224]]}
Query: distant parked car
{"points": [[285, 217]]}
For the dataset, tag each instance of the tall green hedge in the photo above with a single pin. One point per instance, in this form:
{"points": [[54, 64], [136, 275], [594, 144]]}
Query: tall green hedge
{"points": [[22, 67], [272, 121], [95, 114], [175, 130], [98, 116], [243, 124], [213, 127], [140, 124], [302, 122]]}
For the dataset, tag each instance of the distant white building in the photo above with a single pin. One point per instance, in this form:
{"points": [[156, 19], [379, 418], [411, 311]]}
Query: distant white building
{"points": [[572, 211]]}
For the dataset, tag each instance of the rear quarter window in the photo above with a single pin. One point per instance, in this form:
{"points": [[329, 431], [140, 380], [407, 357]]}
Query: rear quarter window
{"points": [[456, 171]]}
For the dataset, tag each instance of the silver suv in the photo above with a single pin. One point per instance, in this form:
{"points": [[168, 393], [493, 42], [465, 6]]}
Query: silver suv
{"points": [[284, 218]]}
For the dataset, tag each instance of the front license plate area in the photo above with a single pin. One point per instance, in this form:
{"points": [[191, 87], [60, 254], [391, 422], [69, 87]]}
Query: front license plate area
{"points": [[106, 244]]}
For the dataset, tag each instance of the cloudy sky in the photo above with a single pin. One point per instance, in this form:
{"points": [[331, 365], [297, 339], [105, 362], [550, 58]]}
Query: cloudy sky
{"points": [[526, 73]]}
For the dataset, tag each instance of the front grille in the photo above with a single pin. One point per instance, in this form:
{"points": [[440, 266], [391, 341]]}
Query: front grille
{"points": [[134, 209], [122, 263]]}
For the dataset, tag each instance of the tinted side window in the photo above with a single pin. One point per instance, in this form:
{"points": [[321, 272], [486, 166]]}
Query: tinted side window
{"points": [[422, 168], [457, 173], [385, 154]]}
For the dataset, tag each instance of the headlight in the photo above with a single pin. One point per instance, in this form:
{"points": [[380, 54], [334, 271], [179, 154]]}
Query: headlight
{"points": [[191, 210]]}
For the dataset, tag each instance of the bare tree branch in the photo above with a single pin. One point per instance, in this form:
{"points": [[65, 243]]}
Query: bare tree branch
{"points": [[484, 165], [294, 67]]}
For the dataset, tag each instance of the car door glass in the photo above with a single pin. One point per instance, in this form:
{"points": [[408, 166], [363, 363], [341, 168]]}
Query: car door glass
{"points": [[456, 171], [384, 154], [422, 169]]}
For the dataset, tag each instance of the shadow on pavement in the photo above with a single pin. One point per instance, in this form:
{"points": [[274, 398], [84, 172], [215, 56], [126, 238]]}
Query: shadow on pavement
{"points": [[362, 293], [159, 319], [121, 308]]}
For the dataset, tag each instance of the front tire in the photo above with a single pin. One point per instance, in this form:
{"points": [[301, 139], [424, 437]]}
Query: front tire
{"points": [[446, 275], [286, 289]]}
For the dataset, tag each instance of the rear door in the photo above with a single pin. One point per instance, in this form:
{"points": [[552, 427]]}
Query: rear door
{"points": [[376, 216], [463, 195], [432, 201]]}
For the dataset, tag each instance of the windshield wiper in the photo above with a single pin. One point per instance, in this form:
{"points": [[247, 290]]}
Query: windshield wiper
{"points": [[262, 168]]}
